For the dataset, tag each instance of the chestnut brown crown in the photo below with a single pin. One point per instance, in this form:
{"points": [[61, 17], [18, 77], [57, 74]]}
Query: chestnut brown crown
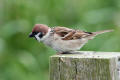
{"points": [[39, 28]]}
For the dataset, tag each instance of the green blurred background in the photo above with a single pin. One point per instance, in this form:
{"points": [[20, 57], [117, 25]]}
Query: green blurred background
{"points": [[22, 58]]}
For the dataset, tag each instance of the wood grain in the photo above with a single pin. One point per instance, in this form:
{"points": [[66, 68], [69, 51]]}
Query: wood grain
{"points": [[96, 66]]}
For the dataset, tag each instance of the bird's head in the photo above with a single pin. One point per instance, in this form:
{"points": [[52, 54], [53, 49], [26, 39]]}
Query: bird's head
{"points": [[39, 31]]}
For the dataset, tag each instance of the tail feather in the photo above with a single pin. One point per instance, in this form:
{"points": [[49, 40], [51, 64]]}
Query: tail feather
{"points": [[98, 32], [101, 32]]}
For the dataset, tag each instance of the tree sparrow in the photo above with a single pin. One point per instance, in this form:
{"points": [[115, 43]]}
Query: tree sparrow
{"points": [[62, 39]]}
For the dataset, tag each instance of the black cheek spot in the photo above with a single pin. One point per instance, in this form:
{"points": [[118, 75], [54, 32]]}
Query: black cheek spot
{"points": [[40, 35]]}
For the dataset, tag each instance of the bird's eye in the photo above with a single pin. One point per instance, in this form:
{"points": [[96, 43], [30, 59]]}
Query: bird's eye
{"points": [[34, 33]]}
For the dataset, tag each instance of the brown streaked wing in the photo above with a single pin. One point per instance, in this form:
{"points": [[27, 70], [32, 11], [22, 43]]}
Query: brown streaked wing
{"points": [[70, 34], [62, 31], [81, 34]]}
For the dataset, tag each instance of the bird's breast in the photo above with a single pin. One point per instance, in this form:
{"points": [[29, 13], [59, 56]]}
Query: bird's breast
{"points": [[64, 45]]}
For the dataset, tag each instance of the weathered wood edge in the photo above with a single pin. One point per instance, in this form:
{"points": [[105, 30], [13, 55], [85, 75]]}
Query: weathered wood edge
{"points": [[113, 58], [90, 54]]}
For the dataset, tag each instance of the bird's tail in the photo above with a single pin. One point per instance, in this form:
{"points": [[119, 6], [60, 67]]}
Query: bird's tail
{"points": [[101, 32], [97, 33]]}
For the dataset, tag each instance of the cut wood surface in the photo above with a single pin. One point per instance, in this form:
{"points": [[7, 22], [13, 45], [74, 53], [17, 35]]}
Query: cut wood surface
{"points": [[85, 65]]}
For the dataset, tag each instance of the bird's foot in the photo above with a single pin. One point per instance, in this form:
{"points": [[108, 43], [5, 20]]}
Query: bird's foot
{"points": [[58, 53], [66, 53]]}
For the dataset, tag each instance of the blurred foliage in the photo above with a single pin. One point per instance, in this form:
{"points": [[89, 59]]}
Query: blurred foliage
{"points": [[22, 58]]}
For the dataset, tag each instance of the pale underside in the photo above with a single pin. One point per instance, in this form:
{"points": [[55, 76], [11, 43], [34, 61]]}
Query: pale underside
{"points": [[65, 40]]}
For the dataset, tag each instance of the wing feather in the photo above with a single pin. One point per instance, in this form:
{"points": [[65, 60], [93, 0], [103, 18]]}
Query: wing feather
{"points": [[70, 34]]}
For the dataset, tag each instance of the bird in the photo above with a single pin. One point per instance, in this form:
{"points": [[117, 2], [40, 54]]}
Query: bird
{"points": [[62, 39]]}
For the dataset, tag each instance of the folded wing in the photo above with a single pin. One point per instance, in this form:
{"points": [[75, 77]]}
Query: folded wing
{"points": [[70, 34]]}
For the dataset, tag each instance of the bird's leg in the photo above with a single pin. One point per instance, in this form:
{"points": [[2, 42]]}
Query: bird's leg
{"points": [[58, 53], [66, 53], [70, 52]]}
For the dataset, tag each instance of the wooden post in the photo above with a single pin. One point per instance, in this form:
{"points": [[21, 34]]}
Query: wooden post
{"points": [[86, 65]]}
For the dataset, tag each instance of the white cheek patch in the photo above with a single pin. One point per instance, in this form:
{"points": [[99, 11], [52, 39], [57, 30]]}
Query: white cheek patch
{"points": [[37, 37]]}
